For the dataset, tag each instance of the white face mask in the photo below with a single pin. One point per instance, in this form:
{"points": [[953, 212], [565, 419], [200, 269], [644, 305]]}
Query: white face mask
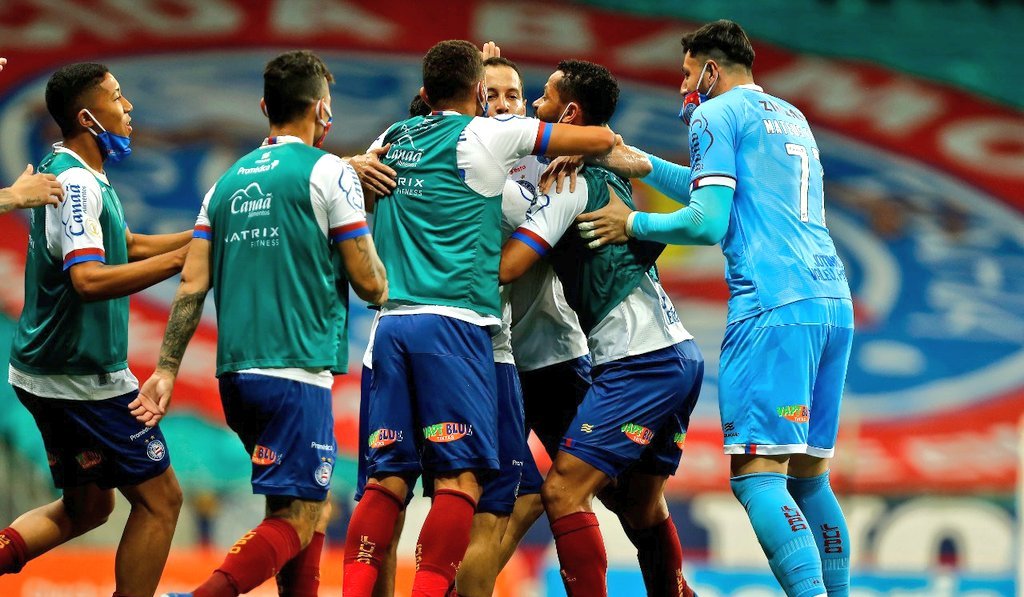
{"points": [[565, 111]]}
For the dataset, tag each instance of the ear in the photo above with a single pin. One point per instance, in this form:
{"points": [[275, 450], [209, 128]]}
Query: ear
{"points": [[573, 114], [423, 96], [85, 120], [263, 107]]}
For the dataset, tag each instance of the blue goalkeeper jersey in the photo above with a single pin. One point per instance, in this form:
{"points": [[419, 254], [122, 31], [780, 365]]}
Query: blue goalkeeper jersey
{"points": [[777, 248]]}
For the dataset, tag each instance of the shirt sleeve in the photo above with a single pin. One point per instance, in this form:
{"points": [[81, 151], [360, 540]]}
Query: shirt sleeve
{"points": [[510, 138], [704, 222], [338, 199], [713, 133], [550, 216], [203, 229], [516, 199], [669, 179], [81, 233]]}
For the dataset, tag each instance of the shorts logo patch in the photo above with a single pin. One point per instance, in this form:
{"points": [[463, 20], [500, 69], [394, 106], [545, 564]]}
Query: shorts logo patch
{"points": [[587, 428], [263, 455], [638, 433], [796, 413], [680, 439], [442, 433], [88, 459], [383, 438], [322, 474], [156, 450]]}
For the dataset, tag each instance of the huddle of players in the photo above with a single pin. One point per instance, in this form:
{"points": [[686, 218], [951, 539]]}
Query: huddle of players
{"points": [[441, 396]]}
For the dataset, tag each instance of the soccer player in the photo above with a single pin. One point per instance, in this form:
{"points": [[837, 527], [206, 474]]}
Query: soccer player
{"points": [[69, 358], [756, 187], [263, 240], [433, 394], [647, 369]]}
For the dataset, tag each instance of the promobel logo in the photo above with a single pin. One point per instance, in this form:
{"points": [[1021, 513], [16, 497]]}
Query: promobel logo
{"points": [[384, 437], [638, 433], [263, 455], [797, 413], [442, 433]]}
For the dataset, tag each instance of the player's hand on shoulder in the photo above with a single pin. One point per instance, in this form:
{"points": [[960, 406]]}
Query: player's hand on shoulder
{"points": [[33, 190], [557, 171], [606, 225], [375, 176], [154, 397]]}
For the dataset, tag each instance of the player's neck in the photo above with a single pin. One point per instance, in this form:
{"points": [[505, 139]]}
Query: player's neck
{"points": [[468, 107], [84, 145], [302, 130], [732, 81]]}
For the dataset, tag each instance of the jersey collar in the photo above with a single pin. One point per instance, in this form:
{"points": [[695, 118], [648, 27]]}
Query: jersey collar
{"points": [[750, 86], [281, 140], [444, 113], [59, 148]]}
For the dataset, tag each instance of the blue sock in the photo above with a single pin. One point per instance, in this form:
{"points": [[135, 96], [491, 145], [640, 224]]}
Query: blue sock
{"points": [[782, 531], [820, 507]]}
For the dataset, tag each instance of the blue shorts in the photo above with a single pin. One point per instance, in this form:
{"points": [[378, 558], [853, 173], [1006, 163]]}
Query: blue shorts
{"points": [[97, 441], [637, 412], [433, 398], [364, 431], [781, 378], [500, 491], [287, 428], [551, 397]]}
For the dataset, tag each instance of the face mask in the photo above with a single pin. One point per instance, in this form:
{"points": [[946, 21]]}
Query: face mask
{"points": [[113, 147], [695, 98], [481, 98], [564, 112], [326, 124]]}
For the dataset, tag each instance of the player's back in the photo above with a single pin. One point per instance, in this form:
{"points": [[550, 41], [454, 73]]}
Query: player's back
{"points": [[777, 247], [438, 238], [271, 268]]}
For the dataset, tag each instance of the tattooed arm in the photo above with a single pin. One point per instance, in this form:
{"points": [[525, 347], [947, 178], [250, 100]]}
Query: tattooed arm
{"points": [[364, 269], [187, 308]]}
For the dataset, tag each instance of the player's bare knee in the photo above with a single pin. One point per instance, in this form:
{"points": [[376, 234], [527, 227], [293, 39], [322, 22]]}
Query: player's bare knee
{"points": [[803, 465], [90, 510]]}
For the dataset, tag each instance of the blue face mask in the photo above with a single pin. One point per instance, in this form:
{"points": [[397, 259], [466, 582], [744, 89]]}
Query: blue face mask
{"points": [[113, 147]]}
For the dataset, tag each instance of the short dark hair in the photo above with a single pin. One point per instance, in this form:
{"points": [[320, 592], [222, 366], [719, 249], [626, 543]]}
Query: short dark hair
{"points": [[65, 89], [450, 70], [590, 85], [502, 61], [723, 41], [291, 82], [418, 107]]}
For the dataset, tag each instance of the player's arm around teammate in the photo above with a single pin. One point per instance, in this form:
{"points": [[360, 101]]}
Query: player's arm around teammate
{"points": [[31, 190]]}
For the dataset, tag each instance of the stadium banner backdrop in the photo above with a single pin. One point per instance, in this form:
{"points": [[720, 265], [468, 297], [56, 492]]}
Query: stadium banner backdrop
{"points": [[923, 195]]}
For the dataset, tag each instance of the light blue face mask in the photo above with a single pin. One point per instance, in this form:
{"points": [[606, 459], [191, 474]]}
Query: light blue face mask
{"points": [[113, 147]]}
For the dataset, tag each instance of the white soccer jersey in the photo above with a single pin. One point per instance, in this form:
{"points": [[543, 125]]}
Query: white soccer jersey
{"points": [[644, 322], [545, 331]]}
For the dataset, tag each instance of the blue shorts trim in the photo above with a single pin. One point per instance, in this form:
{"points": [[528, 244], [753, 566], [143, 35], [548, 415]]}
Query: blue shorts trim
{"points": [[782, 374], [287, 428], [97, 441], [637, 411], [433, 397]]}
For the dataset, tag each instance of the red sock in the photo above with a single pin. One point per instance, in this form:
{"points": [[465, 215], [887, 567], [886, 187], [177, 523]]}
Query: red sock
{"points": [[254, 558], [581, 554], [301, 576], [13, 551], [442, 543], [661, 560], [370, 532]]}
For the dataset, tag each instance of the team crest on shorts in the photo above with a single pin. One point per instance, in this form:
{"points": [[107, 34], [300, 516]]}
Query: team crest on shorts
{"points": [[88, 459], [680, 439], [797, 413], [638, 433], [442, 433], [322, 474], [156, 450]]}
